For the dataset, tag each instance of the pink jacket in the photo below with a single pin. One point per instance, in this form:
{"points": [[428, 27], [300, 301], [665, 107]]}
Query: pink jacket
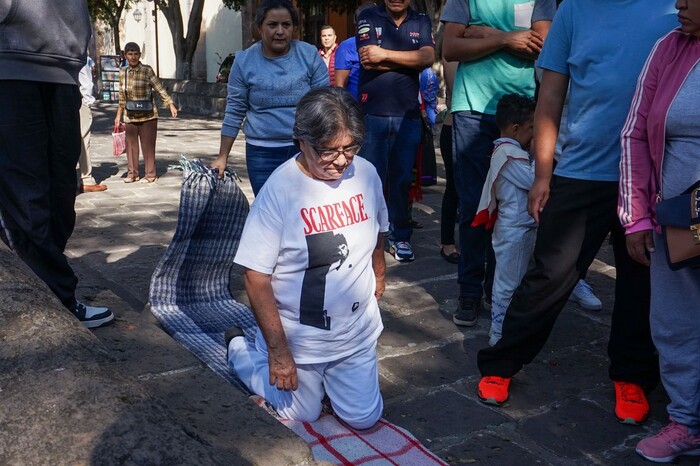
{"points": [[643, 136]]}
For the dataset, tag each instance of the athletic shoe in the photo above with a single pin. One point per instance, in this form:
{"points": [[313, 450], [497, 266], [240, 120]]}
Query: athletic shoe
{"points": [[401, 250], [672, 441], [466, 312], [631, 405], [493, 390], [583, 295], [92, 317]]}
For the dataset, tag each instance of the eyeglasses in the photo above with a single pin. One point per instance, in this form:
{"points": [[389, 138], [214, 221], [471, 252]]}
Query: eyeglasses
{"points": [[331, 155]]}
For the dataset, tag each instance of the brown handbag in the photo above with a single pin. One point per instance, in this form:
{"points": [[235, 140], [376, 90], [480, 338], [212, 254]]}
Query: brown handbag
{"points": [[679, 218]]}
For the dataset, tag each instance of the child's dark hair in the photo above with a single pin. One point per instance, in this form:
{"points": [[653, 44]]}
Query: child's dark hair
{"points": [[514, 109]]}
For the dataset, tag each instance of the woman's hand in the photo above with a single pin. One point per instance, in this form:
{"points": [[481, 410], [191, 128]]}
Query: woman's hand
{"points": [[639, 244], [283, 370], [173, 110], [220, 164]]}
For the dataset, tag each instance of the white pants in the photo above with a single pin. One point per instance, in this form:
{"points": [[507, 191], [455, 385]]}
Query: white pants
{"points": [[352, 384], [512, 247]]}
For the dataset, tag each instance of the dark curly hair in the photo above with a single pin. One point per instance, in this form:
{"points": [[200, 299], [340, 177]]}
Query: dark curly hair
{"points": [[514, 109]]}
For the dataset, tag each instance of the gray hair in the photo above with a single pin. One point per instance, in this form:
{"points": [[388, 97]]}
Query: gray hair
{"points": [[326, 112]]}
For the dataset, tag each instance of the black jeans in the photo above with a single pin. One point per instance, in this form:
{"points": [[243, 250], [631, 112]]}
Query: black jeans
{"points": [[39, 149], [573, 225]]}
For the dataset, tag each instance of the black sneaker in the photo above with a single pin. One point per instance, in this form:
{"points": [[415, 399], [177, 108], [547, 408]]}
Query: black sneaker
{"points": [[92, 317], [230, 334], [466, 311]]}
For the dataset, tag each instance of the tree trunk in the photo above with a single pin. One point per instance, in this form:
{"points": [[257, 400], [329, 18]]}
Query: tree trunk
{"points": [[184, 46]]}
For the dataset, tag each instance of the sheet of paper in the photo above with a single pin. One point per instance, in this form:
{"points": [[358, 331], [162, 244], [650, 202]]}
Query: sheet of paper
{"points": [[523, 14]]}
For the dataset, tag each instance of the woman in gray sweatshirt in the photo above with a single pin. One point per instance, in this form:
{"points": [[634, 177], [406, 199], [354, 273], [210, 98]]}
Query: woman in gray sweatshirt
{"points": [[266, 82]]}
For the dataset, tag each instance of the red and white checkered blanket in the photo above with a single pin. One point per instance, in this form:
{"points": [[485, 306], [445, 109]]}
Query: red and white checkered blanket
{"points": [[333, 441]]}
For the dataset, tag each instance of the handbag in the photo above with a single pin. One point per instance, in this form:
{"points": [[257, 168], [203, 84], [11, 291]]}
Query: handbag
{"points": [[138, 106], [119, 140], [679, 218]]}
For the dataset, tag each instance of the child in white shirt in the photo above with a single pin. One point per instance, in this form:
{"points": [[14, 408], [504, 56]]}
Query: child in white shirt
{"points": [[503, 204]]}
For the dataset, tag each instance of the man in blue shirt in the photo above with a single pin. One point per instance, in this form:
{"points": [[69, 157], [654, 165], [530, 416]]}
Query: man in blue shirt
{"points": [[394, 44], [597, 48], [347, 61]]}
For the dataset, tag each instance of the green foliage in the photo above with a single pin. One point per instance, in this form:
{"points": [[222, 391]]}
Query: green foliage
{"points": [[340, 6]]}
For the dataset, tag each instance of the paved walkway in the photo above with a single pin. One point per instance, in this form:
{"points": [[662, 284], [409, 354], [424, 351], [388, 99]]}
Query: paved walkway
{"points": [[561, 409]]}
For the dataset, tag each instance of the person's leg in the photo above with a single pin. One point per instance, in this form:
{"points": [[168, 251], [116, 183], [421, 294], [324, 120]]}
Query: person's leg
{"points": [[352, 384], [473, 137], [148, 134], [674, 327], [575, 215], [251, 365], [375, 145], [132, 151], [403, 146], [85, 163], [630, 348], [450, 201], [39, 149], [513, 247], [262, 161]]}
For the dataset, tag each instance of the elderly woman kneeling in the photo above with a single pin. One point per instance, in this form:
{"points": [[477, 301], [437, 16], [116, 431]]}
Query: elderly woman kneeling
{"points": [[312, 248]]}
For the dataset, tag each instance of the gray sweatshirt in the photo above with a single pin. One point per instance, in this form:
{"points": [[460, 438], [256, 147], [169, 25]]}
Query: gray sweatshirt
{"points": [[265, 91], [43, 40]]}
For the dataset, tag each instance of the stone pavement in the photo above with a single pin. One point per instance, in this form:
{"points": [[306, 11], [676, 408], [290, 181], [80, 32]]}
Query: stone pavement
{"points": [[560, 412]]}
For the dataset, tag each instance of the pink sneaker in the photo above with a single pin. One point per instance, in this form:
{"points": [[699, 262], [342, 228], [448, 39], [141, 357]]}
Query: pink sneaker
{"points": [[672, 441]]}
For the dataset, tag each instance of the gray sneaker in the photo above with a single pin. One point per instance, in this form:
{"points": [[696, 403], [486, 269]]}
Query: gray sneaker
{"points": [[466, 311]]}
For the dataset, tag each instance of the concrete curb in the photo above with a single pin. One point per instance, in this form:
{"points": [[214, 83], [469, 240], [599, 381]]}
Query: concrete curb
{"points": [[65, 401]]}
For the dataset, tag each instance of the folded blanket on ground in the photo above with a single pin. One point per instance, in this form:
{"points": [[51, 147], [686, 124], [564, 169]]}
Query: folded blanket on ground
{"points": [[191, 299]]}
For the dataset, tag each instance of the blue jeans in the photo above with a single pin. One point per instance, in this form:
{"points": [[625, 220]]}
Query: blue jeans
{"points": [[262, 161], [391, 144], [472, 138]]}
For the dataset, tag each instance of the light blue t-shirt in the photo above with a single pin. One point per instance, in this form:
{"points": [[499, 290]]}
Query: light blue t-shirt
{"points": [[265, 91], [601, 45]]}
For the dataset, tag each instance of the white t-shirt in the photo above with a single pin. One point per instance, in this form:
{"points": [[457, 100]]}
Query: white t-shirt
{"points": [[316, 239]]}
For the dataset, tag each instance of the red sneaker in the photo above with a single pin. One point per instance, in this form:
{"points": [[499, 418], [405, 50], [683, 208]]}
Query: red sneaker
{"points": [[493, 390], [631, 405]]}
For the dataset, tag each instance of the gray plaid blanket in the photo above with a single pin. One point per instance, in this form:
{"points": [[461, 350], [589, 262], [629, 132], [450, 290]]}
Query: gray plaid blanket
{"points": [[190, 293]]}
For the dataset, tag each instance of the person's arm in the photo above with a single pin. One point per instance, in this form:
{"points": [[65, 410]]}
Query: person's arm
{"points": [[341, 77], [122, 97], [636, 172], [157, 86], [469, 43], [518, 172], [319, 72], [283, 370], [379, 265], [374, 57], [236, 108], [547, 118]]}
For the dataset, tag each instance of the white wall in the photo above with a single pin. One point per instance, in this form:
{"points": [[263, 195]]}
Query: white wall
{"points": [[221, 33]]}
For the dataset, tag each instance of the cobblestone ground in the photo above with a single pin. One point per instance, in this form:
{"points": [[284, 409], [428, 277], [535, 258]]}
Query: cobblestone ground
{"points": [[560, 412]]}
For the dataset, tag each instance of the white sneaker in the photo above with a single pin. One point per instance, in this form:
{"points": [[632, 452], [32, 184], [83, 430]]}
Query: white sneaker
{"points": [[92, 317], [583, 295]]}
